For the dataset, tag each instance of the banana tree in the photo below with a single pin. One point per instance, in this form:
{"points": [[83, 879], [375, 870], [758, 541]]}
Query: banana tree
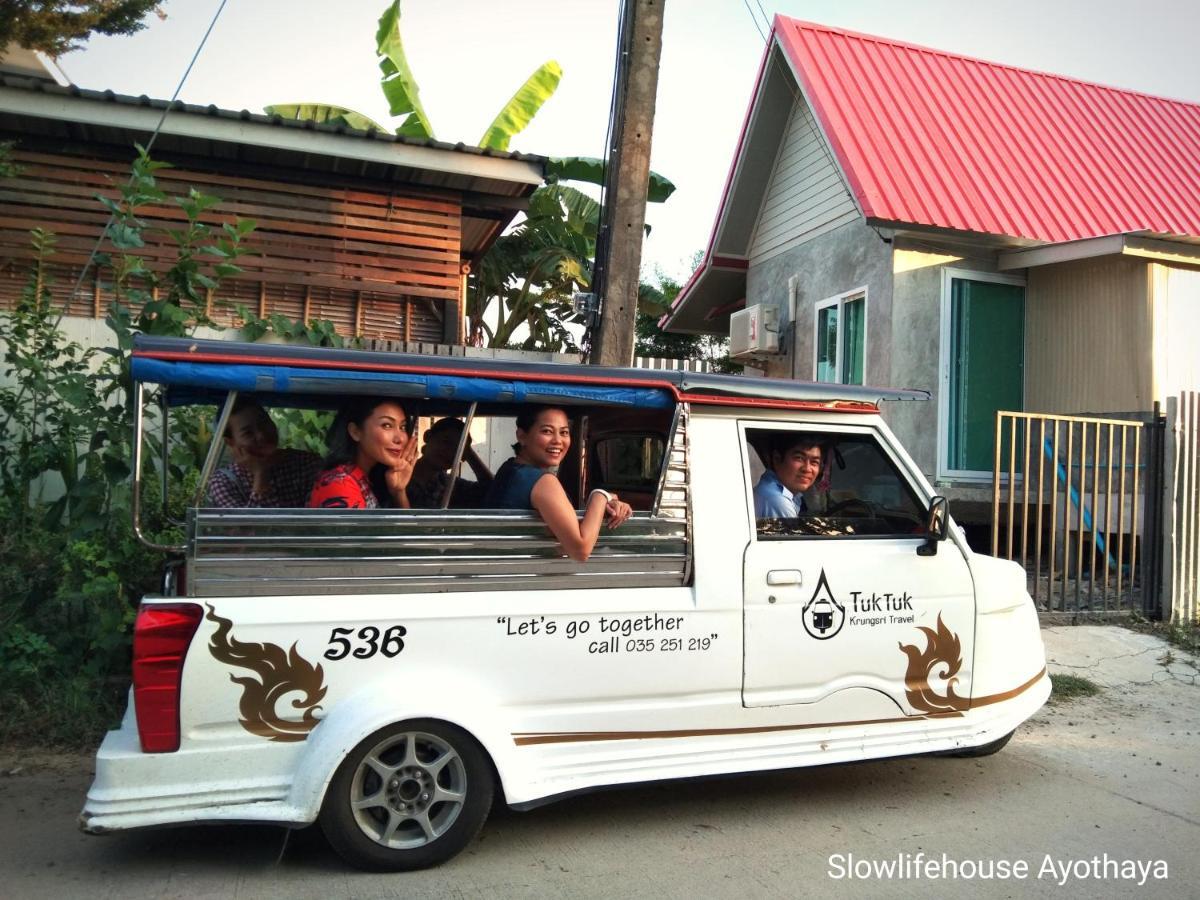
{"points": [[531, 272], [534, 270], [404, 97]]}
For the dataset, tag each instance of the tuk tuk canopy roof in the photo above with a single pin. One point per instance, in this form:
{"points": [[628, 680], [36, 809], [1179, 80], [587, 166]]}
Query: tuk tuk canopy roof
{"points": [[200, 371]]}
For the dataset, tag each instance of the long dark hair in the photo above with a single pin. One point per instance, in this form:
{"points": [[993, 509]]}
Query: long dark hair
{"points": [[342, 448], [529, 415]]}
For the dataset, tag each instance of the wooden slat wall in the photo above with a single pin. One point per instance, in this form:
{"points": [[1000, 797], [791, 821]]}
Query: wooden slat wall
{"points": [[377, 264]]}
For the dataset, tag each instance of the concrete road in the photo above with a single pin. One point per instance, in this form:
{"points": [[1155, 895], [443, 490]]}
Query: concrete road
{"points": [[1115, 775]]}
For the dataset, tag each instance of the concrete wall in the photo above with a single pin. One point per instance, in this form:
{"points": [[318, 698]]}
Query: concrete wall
{"points": [[1088, 337], [916, 339], [848, 258]]}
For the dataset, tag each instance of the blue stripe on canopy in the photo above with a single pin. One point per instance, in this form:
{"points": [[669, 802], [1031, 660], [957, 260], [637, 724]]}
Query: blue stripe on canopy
{"points": [[212, 377]]}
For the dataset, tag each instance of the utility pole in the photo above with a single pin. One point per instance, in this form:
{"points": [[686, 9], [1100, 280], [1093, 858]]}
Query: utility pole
{"points": [[623, 219]]}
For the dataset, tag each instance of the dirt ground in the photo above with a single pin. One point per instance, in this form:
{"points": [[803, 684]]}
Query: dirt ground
{"points": [[1117, 774]]}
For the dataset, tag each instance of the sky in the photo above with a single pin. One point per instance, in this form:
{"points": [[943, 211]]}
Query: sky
{"points": [[470, 56]]}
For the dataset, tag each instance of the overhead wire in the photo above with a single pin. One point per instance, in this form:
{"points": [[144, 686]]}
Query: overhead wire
{"points": [[766, 18], [619, 62], [754, 18], [793, 89], [149, 145]]}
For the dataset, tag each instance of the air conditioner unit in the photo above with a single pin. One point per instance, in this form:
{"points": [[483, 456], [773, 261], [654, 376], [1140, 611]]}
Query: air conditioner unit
{"points": [[754, 331]]}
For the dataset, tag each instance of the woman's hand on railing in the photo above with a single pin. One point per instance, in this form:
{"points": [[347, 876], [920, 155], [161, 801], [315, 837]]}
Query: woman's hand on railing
{"points": [[616, 511]]}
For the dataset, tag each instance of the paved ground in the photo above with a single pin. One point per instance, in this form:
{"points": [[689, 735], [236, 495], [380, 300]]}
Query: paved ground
{"points": [[1118, 774]]}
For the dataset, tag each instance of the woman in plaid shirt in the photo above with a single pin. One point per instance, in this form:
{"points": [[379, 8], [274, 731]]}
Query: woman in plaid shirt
{"points": [[261, 474]]}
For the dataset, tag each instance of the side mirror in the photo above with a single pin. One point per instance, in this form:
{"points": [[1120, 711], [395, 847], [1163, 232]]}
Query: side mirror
{"points": [[937, 526]]}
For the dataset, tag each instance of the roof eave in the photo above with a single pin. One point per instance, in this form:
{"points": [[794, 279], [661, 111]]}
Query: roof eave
{"points": [[1178, 249], [226, 126]]}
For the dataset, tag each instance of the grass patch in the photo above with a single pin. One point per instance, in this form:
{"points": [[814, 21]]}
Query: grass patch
{"points": [[1071, 687], [69, 714], [1184, 635]]}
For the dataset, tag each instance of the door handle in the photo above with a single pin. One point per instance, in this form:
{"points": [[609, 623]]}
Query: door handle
{"points": [[784, 576]]}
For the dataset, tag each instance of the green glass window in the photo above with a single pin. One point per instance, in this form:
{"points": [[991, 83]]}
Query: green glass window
{"points": [[827, 341], [841, 340], [853, 339]]}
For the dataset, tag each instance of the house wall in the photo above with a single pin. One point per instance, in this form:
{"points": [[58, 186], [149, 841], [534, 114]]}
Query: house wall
{"points": [[915, 360], [1088, 337], [1176, 302], [376, 260], [806, 196], [848, 258]]}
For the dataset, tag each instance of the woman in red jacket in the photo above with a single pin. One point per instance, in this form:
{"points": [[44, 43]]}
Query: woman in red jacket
{"points": [[371, 449]]}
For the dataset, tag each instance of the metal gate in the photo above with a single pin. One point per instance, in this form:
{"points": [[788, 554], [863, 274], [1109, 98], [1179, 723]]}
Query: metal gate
{"points": [[1075, 500], [1181, 527]]}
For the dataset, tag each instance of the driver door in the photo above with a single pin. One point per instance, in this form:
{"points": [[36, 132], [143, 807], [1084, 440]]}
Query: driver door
{"points": [[840, 609]]}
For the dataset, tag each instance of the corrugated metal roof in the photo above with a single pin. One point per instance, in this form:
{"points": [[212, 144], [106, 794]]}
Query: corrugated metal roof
{"points": [[488, 179], [927, 137], [244, 115]]}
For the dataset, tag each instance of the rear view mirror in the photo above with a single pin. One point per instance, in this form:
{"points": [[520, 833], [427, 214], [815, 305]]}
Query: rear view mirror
{"points": [[937, 526]]}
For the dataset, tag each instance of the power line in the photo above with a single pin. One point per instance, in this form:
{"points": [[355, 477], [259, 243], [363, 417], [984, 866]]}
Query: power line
{"points": [[149, 145], [766, 18], [754, 19]]}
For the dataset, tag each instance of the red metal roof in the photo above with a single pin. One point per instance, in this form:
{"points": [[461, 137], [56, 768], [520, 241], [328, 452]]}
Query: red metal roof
{"points": [[931, 138]]}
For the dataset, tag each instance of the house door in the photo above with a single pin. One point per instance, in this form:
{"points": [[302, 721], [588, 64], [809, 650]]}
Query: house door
{"points": [[983, 361]]}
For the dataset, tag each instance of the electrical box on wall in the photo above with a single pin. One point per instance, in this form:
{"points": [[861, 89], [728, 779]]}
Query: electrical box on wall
{"points": [[754, 331]]}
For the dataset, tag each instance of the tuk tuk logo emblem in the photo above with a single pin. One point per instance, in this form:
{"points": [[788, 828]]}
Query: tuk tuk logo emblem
{"points": [[280, 673], [822, 615], [941, 661]]}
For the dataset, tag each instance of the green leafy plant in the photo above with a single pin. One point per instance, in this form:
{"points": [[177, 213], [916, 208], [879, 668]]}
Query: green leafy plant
{"points": [[317, 332], [57, 26], [400, 89], [71, 569]]}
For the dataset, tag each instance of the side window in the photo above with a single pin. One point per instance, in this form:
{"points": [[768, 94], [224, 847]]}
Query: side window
{"points": [[819, 484], [841, 338], [629, 464]]}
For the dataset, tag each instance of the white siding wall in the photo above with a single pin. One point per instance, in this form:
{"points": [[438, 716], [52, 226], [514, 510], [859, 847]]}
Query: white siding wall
{"points": [[806, 196], [1176, 331]]}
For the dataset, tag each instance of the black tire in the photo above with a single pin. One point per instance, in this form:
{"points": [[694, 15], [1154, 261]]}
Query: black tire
{"points": [[434, 799], [985, 749]]}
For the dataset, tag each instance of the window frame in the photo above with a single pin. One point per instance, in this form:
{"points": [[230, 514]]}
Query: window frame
{"points": [[840, 301], [949, 274], [908, 474], [593, 447]]}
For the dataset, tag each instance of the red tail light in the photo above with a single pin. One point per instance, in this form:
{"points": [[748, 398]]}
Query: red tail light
{"points": [[161, 636]]}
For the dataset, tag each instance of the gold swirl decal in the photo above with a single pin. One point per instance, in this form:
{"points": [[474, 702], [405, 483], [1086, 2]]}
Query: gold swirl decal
{"points": [[942, 659], [279, 673]]}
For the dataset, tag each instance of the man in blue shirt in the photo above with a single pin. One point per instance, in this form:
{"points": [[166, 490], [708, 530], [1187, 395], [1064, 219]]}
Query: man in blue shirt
{"points": [[795, 462]]}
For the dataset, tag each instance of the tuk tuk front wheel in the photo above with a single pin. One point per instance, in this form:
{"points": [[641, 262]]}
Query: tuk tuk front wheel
{"points": [[984, 749], [409, 796]]}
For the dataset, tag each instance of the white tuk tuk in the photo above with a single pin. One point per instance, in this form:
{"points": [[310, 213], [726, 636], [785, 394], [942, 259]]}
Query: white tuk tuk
{"points": [[389, 672]]}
